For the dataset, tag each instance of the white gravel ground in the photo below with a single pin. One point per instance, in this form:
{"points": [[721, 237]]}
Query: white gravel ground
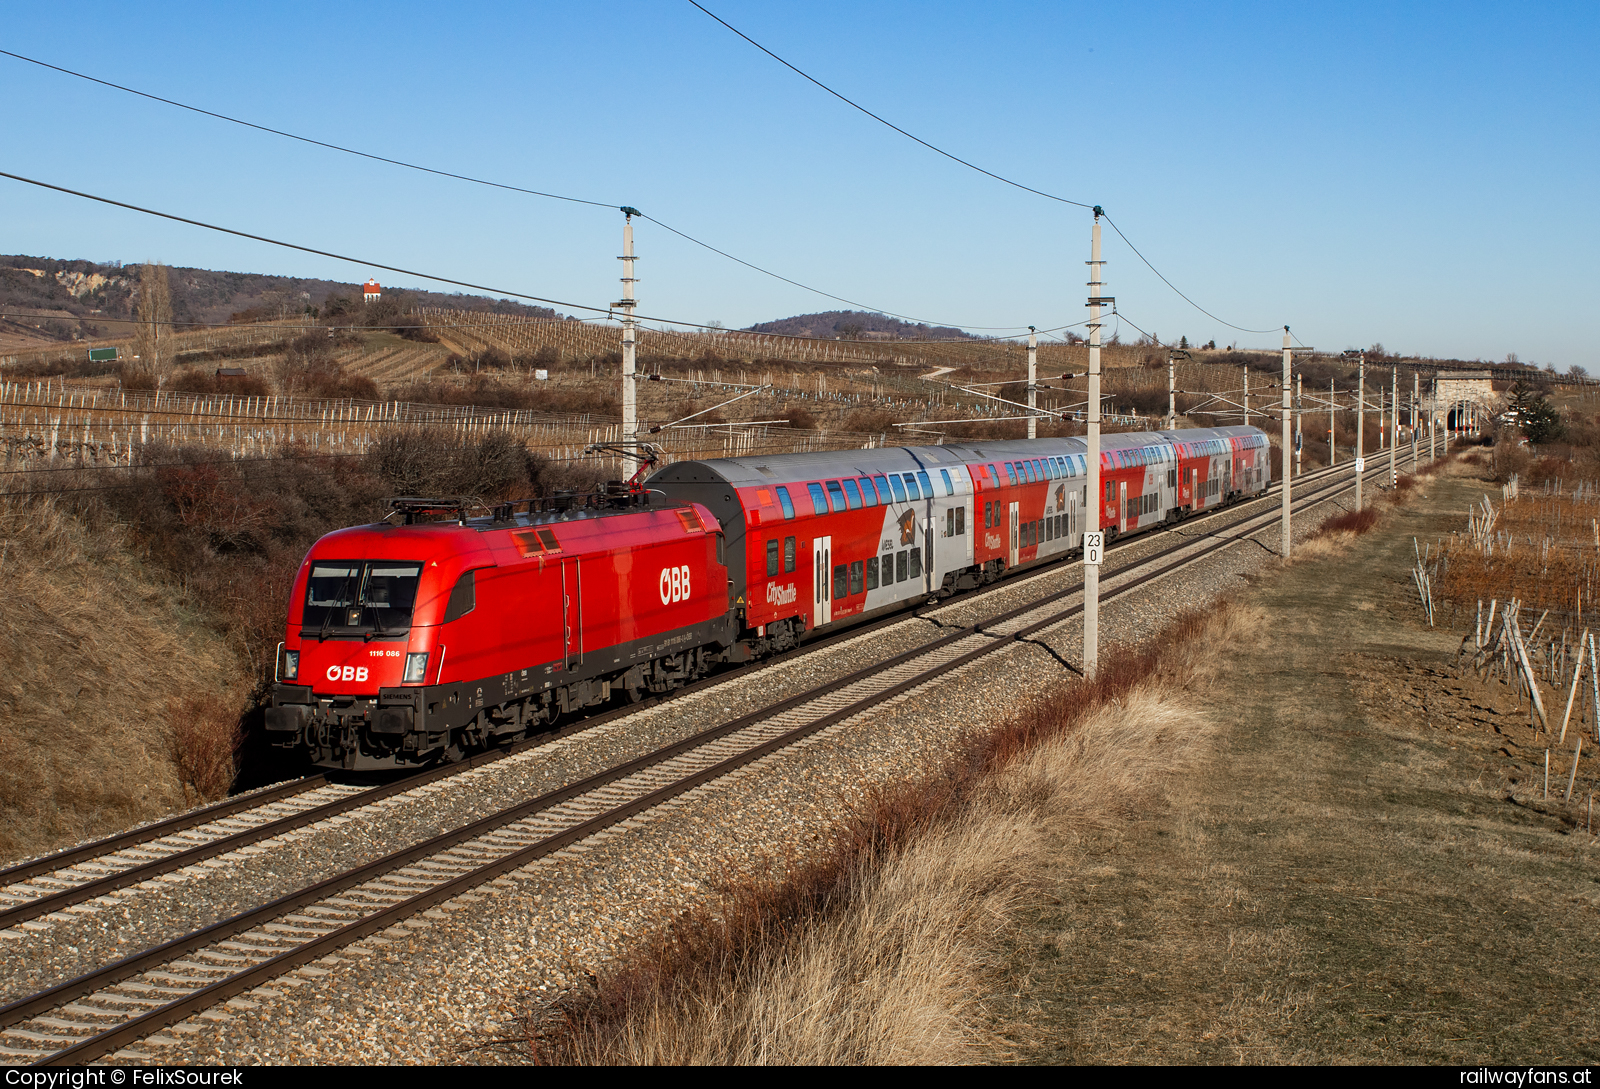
{"points": [[437, 988]]}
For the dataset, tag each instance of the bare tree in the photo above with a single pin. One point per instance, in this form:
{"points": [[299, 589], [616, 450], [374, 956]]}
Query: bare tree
{"points": [[152, 341]]}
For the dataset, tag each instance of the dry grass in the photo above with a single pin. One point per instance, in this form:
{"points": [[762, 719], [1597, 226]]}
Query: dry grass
{"points": [[878, 953], [91, 651]]}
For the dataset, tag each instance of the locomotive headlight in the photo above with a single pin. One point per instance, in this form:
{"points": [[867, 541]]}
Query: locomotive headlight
{"points": [[416, 668], [291, 665]]}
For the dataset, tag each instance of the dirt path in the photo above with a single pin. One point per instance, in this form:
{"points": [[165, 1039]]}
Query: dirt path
{"points": [[1347, 880]]}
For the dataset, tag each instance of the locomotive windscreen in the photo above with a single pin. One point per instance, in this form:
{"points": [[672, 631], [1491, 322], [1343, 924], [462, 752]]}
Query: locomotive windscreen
{"points": [[360, 598]]}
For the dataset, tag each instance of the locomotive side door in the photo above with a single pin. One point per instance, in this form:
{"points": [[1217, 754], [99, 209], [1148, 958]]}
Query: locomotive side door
{"points": [[571, 614], [1015, 539], [822, 581]]}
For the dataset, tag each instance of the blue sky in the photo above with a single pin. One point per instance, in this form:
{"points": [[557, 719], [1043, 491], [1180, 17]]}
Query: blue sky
{"points": [[1421, 175]]}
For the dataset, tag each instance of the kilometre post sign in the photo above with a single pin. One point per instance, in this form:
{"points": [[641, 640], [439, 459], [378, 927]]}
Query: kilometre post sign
{"points": [[1094, 547]]}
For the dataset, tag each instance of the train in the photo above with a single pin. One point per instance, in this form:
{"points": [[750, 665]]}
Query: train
{"points": [[433, 634]]}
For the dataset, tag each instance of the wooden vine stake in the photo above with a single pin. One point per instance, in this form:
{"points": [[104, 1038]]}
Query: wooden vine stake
{"points": [[1572, 696], [1573, 777]]}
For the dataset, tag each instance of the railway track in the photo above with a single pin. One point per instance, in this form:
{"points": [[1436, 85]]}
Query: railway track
{"points": [[104, 1010], [55, 882]]}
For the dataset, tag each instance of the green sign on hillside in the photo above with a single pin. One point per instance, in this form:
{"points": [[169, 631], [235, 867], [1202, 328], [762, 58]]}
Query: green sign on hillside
{"points": [[102, 355]]}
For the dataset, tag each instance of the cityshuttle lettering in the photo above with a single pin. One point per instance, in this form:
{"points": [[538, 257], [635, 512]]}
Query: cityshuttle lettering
{"points": [[781, 595]]}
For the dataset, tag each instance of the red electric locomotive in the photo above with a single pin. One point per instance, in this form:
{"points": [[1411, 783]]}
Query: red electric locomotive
{"points": [[430, 634], [416, 639]]}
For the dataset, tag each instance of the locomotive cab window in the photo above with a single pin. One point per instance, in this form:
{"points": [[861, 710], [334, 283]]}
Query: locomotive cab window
{"points": [[370, 599]]}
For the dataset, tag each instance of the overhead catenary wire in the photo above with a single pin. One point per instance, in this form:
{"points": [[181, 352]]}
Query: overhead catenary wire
{"points": [[492, 184], [974, 166]]}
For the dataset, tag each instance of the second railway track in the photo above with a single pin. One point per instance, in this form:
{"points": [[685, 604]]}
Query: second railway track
{"points": [[104, 1010]]}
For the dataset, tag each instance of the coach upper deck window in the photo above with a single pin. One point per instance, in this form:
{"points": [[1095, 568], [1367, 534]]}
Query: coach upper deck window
{"points": [[899, 488], [1012, 473], [785, 502], [836, 494], [853, 494], [869, 494], [883, 489], [911, 486], [819, 501], [927, 487]]}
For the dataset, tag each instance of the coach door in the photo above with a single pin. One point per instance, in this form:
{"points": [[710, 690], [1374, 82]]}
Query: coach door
{"points": [[821, 581], [1016, 537], [572, 613], [1122, 505]]}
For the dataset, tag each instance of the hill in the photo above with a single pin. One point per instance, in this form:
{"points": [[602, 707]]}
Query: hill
{"points": [[53, 299], [856, 325]]}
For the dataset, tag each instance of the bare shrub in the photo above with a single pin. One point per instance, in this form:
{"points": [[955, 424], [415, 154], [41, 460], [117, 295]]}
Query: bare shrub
{"points": [[204, 741], [1354, 523]]}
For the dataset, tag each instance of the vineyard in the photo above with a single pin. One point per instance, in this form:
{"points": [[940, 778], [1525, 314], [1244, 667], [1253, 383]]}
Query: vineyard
{"points": [[812, 395]]}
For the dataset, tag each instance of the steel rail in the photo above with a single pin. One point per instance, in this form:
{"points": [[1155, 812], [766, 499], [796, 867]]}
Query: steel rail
{"points": [[209, 994], [144, 871]]}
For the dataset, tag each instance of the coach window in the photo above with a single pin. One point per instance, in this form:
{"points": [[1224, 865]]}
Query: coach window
{"points": [[788, 554], [1037, 468], [840, 578], [911, 487], [1111, 490], [927, 488], [886, 568], [819, 501], [785, 502], [869, 494], [949, 488], [900, 566], [961, 520], [772, 558], [988, 515], [899, 488], [853, 494], [872, 573], [884, 494], [916, 563], [856, 585], [836, 494], [1011, 473], [950, 522]]}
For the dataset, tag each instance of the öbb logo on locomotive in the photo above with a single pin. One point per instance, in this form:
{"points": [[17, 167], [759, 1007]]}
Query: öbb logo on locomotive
{"points": [[674, 584], [474, 631]]}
